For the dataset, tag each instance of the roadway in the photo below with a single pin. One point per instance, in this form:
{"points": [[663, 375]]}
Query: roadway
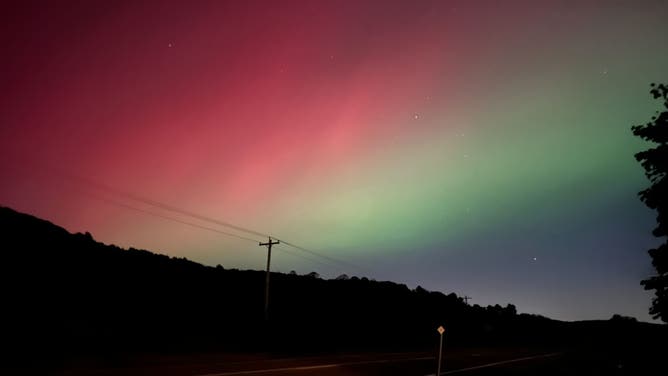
{"points": [[468, 362]]}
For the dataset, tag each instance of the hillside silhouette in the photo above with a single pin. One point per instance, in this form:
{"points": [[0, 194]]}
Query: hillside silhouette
{"points": [[66, 294]]}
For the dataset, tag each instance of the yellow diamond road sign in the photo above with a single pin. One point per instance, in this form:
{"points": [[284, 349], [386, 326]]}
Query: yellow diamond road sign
{"points": [[440, 330]]}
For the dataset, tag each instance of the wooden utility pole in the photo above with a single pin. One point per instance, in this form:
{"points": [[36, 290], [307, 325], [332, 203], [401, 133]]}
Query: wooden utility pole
{"points": [[266, 288], [466, 299]]}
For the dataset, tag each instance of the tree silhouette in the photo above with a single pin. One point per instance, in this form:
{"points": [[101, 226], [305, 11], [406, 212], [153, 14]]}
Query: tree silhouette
{"points": [[68, 299], [655, 163]]}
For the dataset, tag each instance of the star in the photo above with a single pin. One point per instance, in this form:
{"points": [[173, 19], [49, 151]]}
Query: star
{"points": [[169, 45], [535, 258]]}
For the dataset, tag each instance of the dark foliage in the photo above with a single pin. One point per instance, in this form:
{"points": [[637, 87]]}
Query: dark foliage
{"points": [[66, 295], [655, 163]]}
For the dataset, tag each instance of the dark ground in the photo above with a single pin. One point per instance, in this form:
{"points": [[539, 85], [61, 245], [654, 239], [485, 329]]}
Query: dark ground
{"points": [[638, 359], [74, 306]]}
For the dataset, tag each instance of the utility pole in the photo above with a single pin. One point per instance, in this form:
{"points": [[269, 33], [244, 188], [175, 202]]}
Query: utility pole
{"points": [[466, 299], [266, 288]]}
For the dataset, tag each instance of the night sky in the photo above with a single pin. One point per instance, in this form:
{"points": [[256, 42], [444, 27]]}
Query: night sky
{"points": [[481, 148]]}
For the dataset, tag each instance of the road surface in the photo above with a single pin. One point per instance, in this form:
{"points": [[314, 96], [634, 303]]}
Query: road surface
{"points": [[468, 362]]}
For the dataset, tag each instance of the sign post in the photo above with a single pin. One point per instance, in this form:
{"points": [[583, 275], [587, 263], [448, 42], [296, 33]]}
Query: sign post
{"points": [[440, 330]]}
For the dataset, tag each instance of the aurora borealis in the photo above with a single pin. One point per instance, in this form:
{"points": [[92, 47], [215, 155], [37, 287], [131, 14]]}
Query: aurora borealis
{"points": [[466, 147]]}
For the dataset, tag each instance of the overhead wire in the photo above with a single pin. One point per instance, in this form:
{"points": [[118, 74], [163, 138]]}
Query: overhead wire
{"points": [[116, 203], [302, 256], [201, 217], [168, 207], [331, 259], [176, 220]]}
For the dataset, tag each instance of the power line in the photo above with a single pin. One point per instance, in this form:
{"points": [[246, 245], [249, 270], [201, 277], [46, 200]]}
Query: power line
{"points": [[307, 257], [282, 249], [126, 206], [223, 223], [339, 262], [112, 202], [169, 207], [175, 209]]}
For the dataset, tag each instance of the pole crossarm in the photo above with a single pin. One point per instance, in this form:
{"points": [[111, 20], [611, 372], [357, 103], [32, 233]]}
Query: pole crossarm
{"points": [[270, 243]]}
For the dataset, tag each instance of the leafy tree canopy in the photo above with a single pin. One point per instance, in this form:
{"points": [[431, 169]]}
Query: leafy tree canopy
{"points": [[655, 163]]}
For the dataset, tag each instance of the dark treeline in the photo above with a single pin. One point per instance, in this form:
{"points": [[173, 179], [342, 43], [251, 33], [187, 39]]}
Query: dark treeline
{"points": [[65, 294]]}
